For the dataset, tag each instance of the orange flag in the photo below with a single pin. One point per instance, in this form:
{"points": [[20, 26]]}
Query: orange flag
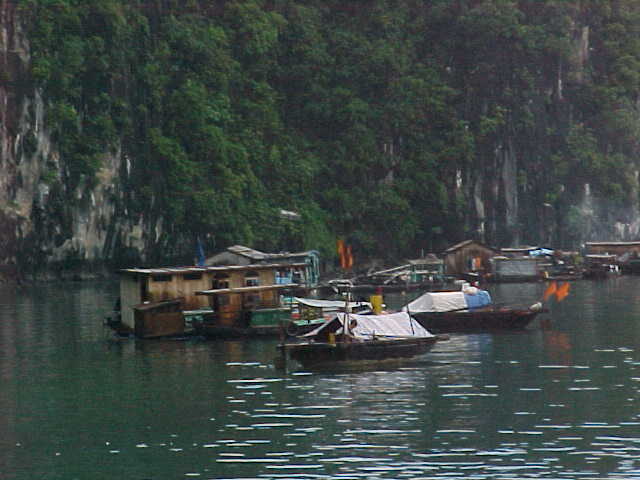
{"points": [[562, 291], [551, 289], [342, 253], [349, 258]]}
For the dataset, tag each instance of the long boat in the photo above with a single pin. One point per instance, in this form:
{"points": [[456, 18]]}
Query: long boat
{"points": [[355, 338], [258, 311], [251, 311], [470, 310], [278, 324]]}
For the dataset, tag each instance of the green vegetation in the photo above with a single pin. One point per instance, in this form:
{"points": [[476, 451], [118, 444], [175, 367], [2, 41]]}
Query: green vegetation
{"points": [[380, 122]]}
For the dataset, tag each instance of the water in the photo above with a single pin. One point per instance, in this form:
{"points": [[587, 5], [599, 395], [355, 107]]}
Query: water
{"points": [[553, 403]]}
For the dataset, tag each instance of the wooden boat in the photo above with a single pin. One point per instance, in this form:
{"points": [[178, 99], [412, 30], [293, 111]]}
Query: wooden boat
{"points": [[296, 316], [253, 325], [448, 312], [249, 312], [412, 276], [350, 337]]}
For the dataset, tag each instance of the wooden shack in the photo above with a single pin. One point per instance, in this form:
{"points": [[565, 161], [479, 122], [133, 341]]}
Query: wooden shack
{"points": [[241, 255], [159, 319], [469, 256], [144, 292]]}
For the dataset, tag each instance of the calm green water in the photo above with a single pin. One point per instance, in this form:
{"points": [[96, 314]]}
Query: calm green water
{"points": [[561, 402]]}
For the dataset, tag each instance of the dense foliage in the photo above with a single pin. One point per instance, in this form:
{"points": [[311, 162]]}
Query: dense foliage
{"points": [[389, 124]]}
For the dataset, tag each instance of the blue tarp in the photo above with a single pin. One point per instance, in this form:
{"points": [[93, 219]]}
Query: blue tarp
{"points": [[480, 299], [540, 252]]}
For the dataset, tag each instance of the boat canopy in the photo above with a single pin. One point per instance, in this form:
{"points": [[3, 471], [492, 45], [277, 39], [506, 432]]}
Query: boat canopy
{"points": [[259, 288], [449, 301], [328, 304], [395, 325]]}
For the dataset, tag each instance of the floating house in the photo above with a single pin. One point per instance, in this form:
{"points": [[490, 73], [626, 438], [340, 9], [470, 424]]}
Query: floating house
{"points": [[627, 254], [517, 269], [156, 302], [600, 265], [468, 257], [426, 270], [613, 248], [241, 255], [417, 273]]}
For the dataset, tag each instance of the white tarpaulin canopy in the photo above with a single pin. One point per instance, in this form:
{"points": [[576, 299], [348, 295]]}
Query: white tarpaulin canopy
{"points": [[366, 326], [437, 302], [328, 304]]}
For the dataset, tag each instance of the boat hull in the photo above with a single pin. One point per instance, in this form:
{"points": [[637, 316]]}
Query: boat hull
{"points": [[214, 330], [476, 321], [318, 354]]}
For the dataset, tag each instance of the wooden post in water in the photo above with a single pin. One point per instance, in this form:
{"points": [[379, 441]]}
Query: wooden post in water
{"points": [[347, 310], [281, 361]]}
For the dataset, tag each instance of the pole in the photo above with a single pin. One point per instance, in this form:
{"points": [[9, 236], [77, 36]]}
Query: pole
{"points": [[410, 320], [346, 327]]}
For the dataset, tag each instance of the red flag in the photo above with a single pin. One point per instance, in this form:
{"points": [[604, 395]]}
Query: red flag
{"points": [[551, 289], [562, 291]]}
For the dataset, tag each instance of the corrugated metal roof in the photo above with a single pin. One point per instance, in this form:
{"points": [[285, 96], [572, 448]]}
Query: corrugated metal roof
{"points": [[258, 255], [518, 249], [516, 259], [458, 246], [426, 261], [613, 244], [225, 268], [247, 252]]}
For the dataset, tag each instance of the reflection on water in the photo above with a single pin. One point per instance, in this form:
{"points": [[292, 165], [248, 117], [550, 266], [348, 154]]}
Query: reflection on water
{"points": [[553, 402]]}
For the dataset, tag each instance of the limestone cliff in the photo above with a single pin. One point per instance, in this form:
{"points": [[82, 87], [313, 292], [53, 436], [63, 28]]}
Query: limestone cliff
{"points": [[40, 235]]}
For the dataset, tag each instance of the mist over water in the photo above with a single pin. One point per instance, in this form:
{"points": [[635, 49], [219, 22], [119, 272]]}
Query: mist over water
{"points": [[554, 402]]}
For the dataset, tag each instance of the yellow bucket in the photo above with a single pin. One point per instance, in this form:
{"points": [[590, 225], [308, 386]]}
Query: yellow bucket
{"points": [[376, 303]]}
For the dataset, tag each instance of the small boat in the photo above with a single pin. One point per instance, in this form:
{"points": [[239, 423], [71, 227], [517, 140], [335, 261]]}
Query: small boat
{"points": [[350, 337], [468, 310]]}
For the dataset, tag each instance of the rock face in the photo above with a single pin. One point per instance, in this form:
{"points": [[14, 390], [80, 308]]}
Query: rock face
{"points": [[16, 191], [39, 237]]}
